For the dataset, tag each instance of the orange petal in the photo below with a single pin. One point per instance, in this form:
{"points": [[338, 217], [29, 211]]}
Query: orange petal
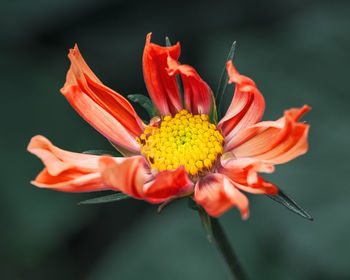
{"points": [[70, 181], [196, 91], [65, 171], [101, 120], [168, 184], [125, 174], [244, 173], [247, 106], [106, 110], [161, 86], [217, 193], [273, 141]]}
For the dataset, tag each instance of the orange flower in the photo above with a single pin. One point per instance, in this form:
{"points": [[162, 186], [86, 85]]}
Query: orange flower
{"points": [[182, 152]]}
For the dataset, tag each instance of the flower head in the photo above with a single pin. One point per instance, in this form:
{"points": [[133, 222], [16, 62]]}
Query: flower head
{"points": [[182, 151]]}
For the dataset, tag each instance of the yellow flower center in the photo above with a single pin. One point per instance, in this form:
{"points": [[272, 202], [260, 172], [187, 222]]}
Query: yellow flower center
{"points": [[185, 139]]}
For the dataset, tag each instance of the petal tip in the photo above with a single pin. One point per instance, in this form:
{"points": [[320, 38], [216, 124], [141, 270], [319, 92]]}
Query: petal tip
{"points": [[148, 37], [245, 214], [35, 141], [305, 108]]}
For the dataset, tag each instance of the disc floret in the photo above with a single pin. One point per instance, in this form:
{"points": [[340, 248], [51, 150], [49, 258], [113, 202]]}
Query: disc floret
{"points": [[185, 139]]}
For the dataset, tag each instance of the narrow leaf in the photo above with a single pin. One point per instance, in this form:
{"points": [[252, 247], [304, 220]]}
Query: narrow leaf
{"points": [[144, 102], [105, 199], [166, 203], [220, 92], [288, 202], [101, 152], [192, 204], [167, 42], [213, 113], [121, 150]]}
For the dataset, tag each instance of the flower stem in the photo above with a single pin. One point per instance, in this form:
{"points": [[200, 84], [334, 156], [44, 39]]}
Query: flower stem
{"points": [[226, 250], [215, 232]]}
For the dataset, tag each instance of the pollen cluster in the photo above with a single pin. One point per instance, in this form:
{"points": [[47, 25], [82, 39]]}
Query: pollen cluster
{"points": [[185, 139]]}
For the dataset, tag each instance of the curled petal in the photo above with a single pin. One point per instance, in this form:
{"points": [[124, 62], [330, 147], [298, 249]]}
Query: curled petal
{"points": [[101, 120], [244, 173], [64, 170], [70, 181], [106, 110], [125, 174], [273, 141], [196, 91], [217, 193], [161, 86], [247, 106], [168, 184]]}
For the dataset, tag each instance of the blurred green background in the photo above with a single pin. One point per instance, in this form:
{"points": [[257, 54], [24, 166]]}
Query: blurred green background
{"points": [[296, 51]]}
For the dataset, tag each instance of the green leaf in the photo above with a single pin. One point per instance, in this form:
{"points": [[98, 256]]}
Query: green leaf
{"points": [[144, 102], [167, 42], [121, 150], [192, 204], [286, 201], [220, 92], [101, 152], [213, 113], [166, 203], [105, 199], [177, 77]]}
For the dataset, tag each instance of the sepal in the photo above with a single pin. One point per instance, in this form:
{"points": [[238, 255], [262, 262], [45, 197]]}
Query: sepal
{"points": [[102, 152], [288, 202], [223, 81], [213, 113], [105, 199], [145, 102], [121, 150], [166, 203]]}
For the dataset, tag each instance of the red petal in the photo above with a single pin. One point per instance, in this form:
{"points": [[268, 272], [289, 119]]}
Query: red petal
{"points": [[101, 120], [125, 174], [244, 173], [168, 184], [273, 141], [217, 193], [65, 171], [196, 91], [161, 87], [247, 106], [95, 102]]}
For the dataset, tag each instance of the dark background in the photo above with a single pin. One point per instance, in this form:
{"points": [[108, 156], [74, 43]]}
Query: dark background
{"points": [[296, 51]]}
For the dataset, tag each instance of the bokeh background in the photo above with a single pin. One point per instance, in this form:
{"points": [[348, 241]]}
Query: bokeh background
{"points": [[296, 51]]}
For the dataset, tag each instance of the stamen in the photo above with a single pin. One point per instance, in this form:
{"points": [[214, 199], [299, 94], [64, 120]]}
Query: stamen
{"points": [[185, 139]]}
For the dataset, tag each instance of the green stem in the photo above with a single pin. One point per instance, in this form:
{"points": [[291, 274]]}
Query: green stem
{"points": [[226, 250]]}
